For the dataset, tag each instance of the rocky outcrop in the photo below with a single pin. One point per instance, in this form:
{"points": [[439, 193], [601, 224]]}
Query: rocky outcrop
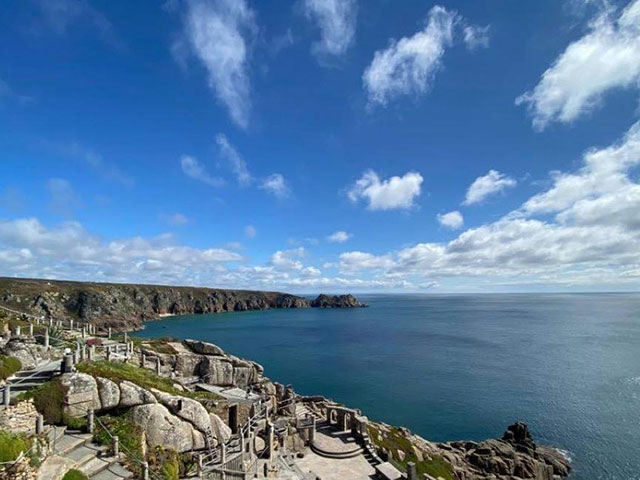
{"points": [[126, 307], [25, 349], [81, 394], [162, 428], [336, 301]]}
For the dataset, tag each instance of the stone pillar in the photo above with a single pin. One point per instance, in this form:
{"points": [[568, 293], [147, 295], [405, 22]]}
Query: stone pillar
{"points": [[145, 471], [7, 395], [270, 441], [125, 337], [109, 333], [46, 338], [83, 351], [76, 354], [158, 365], [18, 330], [67, 363], [116, 446], [108, 353], [412, 473], [312, 432], [84, 331], [141, 359], [71, 324], [223, 453], [51, 322], [91, 353], [31, 329], [343, 424], [39, 424], [199, 465], [91, 421]]}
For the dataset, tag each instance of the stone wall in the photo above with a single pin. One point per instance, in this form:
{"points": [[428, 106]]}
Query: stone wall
{"points": [[20, 418]]}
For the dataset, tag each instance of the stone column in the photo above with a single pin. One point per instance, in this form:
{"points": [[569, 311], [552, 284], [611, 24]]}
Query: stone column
{"points": [[223, 453], [91, 421], [31, 329], [67, 363], [46, 338], [84, 331], [145, 471], [39, 424], [91, 353], [71, 324], [83, 351], [141, 359], [199, 465], [312, 432], [51, 322], [17, 330], [116, 446], [125, 337], [109, 333], [270, 441], [158, 365], [7, 395], [412, 473], [108, 353]]}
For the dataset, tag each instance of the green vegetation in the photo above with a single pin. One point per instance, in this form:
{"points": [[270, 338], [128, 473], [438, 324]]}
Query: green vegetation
{"points": [[392, 441], [161, 345], [143, 377], [48, 399], [129, 434], [11, 445], [9, 366], [74, 475]]}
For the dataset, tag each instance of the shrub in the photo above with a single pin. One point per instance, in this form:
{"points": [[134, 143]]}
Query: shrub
{"points": [[9, 366], [11, 445], [129, 435], [74, 475], [49, 401]]}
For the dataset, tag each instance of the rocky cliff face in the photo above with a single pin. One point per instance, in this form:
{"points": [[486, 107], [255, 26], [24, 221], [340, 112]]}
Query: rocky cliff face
{"points": [[336, 301], [127, 306]]}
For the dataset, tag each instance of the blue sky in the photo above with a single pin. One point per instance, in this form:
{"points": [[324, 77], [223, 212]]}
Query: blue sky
{"points": [[322, 145]]}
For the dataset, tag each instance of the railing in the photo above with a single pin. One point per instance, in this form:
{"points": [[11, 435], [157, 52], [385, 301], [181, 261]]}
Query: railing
{"points": [[35, 373], [143, 465]]}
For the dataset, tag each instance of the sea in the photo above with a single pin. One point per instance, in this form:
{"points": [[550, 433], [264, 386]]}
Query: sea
{"points": [[461, 367]]}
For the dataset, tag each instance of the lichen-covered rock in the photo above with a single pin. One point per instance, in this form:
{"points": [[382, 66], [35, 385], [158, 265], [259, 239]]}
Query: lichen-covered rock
{"points": [[216, 370], [161, 428], [220, 429], [23, 349], [185, 408], [81, 394], [109, 393], [203, 348], [132, 395]]}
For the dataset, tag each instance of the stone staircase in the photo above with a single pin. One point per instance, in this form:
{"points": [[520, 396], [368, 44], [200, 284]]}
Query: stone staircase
{"points": [[72, 449], [26, 380]]}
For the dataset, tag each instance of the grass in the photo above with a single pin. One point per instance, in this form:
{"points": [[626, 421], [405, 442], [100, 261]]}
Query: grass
{"points": [[9, 366], [48, 399], [11, 445], [74, 474], [129, 435], [393, 441], [161, 345], [143, 377]]}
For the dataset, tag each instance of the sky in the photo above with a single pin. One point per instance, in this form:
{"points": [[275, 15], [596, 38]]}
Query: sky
{"points": [[322, 145]]}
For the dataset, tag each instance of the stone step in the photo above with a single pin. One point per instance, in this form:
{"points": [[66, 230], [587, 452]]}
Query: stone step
{"points": [[120, 471], [82, 454], [97, 465], [67, 443]]}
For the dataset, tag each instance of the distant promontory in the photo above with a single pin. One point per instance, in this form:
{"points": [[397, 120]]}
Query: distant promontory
{"points": [[127, 306]]}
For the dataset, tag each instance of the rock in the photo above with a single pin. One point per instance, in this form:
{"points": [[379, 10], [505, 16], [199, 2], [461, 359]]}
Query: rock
{"points": [[203, 348], [25, 350], [81, 394], [186, 409], [336, 301], [161, 428], [220, 429], [109, 393], [132, 395], [216, 371]]}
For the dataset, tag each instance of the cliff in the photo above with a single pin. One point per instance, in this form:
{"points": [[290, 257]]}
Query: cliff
{"points": [[127, 306]]}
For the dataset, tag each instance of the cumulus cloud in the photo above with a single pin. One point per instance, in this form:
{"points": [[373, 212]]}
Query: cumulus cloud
{"points": [[235, 160], [590, 240], [476, 37], [219, 33], [288, 259], [453, 220], [339, 237], [487, 185], [192, 168], [276, 185], [336, 20], [392, 193], [607, 57]]}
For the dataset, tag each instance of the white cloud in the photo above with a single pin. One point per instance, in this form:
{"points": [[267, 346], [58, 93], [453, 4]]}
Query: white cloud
{"points": [[276, 185], [288, 259], [392, 193], [408, 66], [237, 163], [218, 33], [453, 220], [192, 168], [336, 20], [250, 231], [353, 262], [490, 184], [606, 58], [175, 220], [339, 237], [476, 37]]}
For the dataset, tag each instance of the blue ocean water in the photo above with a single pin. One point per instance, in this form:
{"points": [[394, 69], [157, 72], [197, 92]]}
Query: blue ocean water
{"points": [[462, 367]]}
